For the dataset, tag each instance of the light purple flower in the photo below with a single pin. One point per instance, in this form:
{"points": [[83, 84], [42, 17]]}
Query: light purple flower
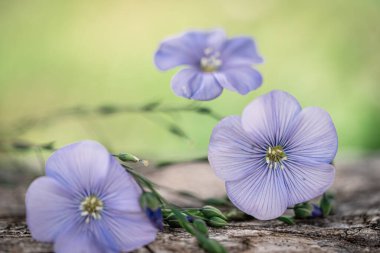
{"points": [[213, 63], [275, 155], [87, 203]]}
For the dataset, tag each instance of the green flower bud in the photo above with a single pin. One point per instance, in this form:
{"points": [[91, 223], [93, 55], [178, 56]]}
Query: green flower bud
{"points": [[201, 226], [236, 215], [126, 157], [287, 219], [210, 211], [217, 222], [303, 210]]}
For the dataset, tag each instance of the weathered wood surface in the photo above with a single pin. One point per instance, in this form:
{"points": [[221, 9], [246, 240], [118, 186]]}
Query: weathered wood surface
{"points": [[355, 227]]}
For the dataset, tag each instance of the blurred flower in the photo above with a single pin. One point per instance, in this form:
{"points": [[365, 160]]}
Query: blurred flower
{"points": [[87, 203], [214, 62], [275, 155]]}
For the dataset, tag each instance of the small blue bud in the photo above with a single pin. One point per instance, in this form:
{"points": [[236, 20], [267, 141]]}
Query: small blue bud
{"points": [[189, 218], [316, 212], [155, 217]]}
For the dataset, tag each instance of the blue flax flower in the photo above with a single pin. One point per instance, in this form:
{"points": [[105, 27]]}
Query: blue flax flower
{"points": [[275, 155], [87, 203], [213, 63]]}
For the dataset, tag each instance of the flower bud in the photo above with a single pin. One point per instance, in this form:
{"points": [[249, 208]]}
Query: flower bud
{"points": [[287, 219], [236, 215], [216, 222], [126, 157], [316, 212], [303, 210], [210, 211]]}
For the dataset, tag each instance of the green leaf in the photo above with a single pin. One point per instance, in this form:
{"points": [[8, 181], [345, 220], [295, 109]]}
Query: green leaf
{"points": [[151, 106], [326, 204], [201, 226], [212, 246], [287, 219]]}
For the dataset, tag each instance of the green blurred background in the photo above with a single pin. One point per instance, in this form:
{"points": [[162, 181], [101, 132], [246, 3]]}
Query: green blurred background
{"points": [[59, 54]]}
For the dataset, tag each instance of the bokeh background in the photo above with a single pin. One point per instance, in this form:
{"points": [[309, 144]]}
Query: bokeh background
{"points": [[63, 54]]}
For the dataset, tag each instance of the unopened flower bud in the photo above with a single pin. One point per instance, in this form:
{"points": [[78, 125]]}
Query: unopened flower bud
{"points": [[316, 212], [126, 157], [303, 210], [216, 222], [210, 211]]}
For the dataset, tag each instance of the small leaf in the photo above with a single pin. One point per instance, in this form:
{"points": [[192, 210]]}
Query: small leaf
{"points": [[150, 106], [201, 226], [177, 131], [212, 246], [287, 219], [203, 110], [325, 204], [107, 109]]}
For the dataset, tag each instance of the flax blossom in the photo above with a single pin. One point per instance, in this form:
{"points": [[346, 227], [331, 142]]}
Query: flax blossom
{"points": [[275, 155], [87, 203], [213, 62]]}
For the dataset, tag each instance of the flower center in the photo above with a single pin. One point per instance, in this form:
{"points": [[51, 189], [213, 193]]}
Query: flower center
{"points": [[275, 157], [91, 206], [210, 61]]}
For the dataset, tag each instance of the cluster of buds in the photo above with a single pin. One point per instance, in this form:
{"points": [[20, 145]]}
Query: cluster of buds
{"points": [[196, 222], [209, 215]]}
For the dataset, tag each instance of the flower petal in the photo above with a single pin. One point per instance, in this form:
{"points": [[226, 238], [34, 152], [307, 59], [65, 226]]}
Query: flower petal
{"points": [[193, 84], [240, 51], [120, 192], [241, 80], [231, 151], [305, 182], [124, 225], [126, 232], [313, 137], [79, 241], [262, 194], [49, 209], [81, 166], [187, 48], [269, 116]]}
